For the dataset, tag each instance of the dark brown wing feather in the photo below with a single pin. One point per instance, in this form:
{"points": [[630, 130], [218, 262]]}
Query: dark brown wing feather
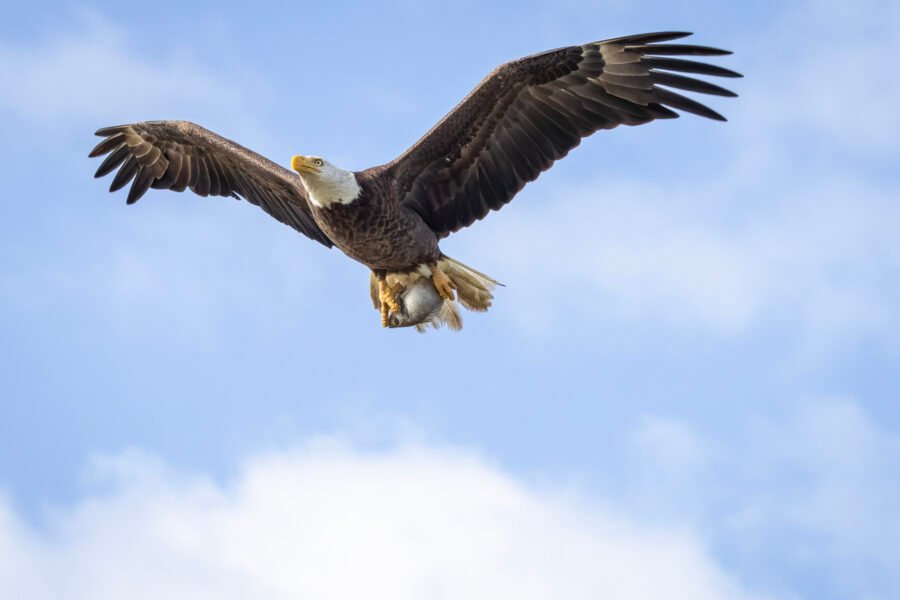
{"points": [[176, 155], [530, 112]]}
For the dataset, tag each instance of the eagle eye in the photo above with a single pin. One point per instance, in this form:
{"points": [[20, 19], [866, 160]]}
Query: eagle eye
{"points": [[319, 162]]}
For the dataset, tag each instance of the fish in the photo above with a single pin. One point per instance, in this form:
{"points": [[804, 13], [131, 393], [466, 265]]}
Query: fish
{"points": [[421, 305]]}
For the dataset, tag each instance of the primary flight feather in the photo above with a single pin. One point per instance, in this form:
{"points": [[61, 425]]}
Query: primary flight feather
{"points": [[515, 124]]}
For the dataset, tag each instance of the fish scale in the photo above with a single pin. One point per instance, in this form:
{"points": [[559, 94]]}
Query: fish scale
{"points": [[420, 303]]}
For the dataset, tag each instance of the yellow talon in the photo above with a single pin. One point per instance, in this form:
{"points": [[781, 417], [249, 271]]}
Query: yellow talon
{"points": [[442, 283], [384, 314], [388, 299]]}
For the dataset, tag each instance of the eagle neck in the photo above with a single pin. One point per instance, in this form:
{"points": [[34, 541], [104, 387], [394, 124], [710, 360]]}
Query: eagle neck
{"points": [[338, 187]]}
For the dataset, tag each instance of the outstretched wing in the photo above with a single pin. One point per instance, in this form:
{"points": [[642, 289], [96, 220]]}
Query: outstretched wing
{"points": [[530, 112], [175, 155]]}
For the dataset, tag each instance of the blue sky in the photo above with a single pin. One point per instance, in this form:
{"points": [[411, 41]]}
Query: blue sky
{"points": [[691, 373]]}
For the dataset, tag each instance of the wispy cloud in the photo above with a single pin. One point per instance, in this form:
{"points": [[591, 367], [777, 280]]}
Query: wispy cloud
{"points": [[91, 72], [179, 271], [834, 81], [822, 262], [325, 521], [182, 271], [814, 489]]}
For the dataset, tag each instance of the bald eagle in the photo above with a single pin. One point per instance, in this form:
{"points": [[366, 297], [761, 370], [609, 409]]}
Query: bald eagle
{"points": [[515, 124]]}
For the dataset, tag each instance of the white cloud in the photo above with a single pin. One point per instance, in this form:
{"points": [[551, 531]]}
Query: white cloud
{"points": [[91, 72], [181, 271], [844, 494], [824, 70], [822, 261], [325, 521], [814, 489], [666, 455]]}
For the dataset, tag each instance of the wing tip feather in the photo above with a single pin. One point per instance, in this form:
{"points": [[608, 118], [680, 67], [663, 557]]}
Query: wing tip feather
{"points": [[649, 37], [653, 49], [111, 130]]}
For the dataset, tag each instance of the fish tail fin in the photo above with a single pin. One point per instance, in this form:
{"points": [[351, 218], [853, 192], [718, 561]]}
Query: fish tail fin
{"points": [[449, 316]]}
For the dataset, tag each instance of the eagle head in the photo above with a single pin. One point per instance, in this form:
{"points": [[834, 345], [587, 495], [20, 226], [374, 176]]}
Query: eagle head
{"points": [[325, 183]]}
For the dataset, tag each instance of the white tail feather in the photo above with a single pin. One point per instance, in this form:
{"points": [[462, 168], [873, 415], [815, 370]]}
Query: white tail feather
{"points": [[473, 288]]}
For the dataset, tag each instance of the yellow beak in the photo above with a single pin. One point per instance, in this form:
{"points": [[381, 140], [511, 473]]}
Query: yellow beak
{"points": [[303, 164]]}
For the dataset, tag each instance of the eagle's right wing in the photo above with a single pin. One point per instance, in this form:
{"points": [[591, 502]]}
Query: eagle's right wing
{"points": [[175, 155]]}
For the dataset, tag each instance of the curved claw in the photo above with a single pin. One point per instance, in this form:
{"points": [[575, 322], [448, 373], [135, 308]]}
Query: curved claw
{"points": [[442, 283], [384, 314], [389, 303]]}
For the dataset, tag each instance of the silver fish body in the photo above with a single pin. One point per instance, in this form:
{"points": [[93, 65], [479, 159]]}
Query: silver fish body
{"points": [[420, 304]]}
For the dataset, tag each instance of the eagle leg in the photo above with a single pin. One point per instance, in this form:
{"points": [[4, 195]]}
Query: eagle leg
{"points": [[442, 283], [384, 314], [388, 299]]}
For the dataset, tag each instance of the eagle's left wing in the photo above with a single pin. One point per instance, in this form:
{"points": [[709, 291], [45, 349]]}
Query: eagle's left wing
{"points": [[531, 112]]}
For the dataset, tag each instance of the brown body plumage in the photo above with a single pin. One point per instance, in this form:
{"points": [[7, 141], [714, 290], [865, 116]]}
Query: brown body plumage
{"points": [[380, 233], [515, 124]]}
